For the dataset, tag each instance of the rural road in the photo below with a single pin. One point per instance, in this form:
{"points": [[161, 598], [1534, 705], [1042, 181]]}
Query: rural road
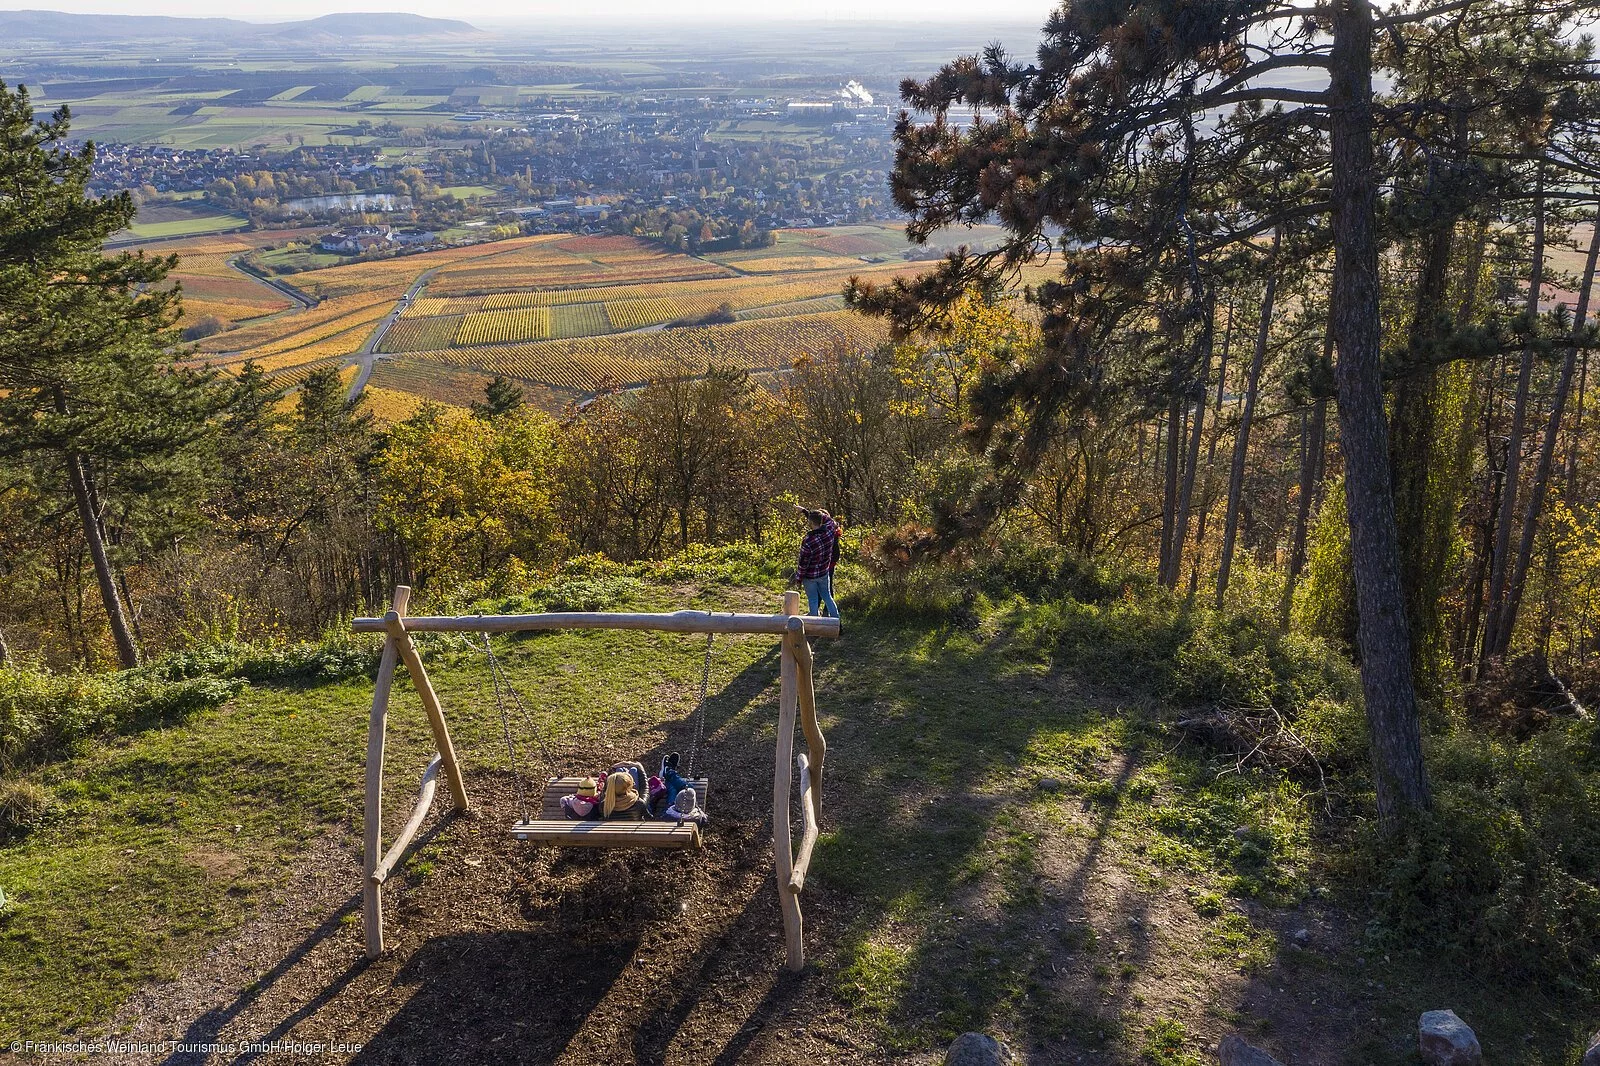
{"points": [[281, 287], [368, 354]]}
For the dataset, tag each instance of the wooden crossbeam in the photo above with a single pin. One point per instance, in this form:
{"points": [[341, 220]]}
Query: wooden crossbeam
{"points": [[675, 622]]}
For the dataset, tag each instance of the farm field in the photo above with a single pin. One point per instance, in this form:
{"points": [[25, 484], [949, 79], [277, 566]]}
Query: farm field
{"points": [[821, 249], [160, 220], [391, 405], [211, 287], [563, 315], [184, 117], [587, 364]]}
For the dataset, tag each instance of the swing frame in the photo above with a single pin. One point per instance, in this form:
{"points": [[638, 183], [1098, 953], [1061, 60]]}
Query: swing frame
{"points": [[796, 705]]}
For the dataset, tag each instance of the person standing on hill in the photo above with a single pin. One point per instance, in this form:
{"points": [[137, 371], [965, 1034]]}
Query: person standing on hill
{"points": [[819, 554]]}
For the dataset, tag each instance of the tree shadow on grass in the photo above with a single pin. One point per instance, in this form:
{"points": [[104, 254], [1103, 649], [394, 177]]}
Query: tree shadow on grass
{"points": [[956, 924]]}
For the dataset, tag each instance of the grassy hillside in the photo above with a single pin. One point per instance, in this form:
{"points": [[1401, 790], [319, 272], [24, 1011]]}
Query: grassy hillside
{"points": [[1020, 836]]}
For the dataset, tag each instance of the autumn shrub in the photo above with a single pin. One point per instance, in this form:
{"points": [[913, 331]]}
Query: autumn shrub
{"points": [[1117, 625], [1504, 873], [740, 563], [208, 326], [44, 714]]}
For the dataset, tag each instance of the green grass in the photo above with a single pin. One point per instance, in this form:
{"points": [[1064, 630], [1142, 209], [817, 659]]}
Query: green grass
{"points": [[220, 222], [297, 259], [470, 192], [140, 865]]}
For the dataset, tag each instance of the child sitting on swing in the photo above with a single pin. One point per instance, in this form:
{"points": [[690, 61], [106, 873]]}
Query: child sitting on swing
{"points": [[676, 799]]}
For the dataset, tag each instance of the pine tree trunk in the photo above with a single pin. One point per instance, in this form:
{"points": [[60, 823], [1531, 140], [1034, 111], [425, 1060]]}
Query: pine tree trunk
{"points": [[1169, 503], [1241, 440], [1466, 441], [1400, 780], [1547, 447], [1310, 477], [1496, 634], [1425, 546], [1479, 579], [1208, 496], [1575, 435], [127, 648], [1192, 463]]}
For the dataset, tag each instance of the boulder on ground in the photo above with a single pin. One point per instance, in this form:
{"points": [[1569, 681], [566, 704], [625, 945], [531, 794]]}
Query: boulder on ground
{"points": [[1233, 1051], [1445, 1040], [977, 1049], [1592, 1056]]}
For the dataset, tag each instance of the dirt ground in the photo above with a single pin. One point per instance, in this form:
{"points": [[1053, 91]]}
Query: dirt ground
{"points": [[499, 952]]}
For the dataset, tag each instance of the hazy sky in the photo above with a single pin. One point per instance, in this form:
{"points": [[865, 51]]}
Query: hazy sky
{"points": [[543, 10]]}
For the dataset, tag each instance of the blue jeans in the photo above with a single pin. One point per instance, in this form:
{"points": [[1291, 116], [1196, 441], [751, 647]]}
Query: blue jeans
{"points": [[675, 784], [819, 590]]}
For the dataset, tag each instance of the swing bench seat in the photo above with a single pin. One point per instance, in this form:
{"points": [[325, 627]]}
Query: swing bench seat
{"points": [[554, 828]]}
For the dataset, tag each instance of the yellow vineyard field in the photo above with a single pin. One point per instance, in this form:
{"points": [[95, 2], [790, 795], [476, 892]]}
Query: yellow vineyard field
{"points": [[632, 314], [579, 320], [393, 405], [783, 264], [494, 327], [212, 288], [454, 386], [563, 313], [396, 274], [797, 307], [428, 306], [292, 330], [420, 334]]}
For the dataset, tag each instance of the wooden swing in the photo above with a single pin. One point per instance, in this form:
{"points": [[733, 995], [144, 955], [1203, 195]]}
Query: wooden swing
{"points": [[796, 705], [554, 826]]}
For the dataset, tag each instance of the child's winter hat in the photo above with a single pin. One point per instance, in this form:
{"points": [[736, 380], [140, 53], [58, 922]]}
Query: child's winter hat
{"points": [[586, 788], [686, 801]]}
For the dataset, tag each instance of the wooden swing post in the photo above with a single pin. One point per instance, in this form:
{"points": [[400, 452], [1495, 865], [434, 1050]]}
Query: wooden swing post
{"points": [[375, 862], [796, 700]]}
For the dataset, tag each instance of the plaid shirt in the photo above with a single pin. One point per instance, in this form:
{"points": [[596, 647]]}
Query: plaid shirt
{"points": [[819, 552]]}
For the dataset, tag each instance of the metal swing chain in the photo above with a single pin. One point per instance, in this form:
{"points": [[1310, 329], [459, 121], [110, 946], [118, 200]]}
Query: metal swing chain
{"points": [[502, 682], [700, 709], [505, 725]]}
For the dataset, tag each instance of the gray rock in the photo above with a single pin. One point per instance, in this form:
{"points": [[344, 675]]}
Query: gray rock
{"points": [[1302, 937], [1051, 784], [1233, 1051], [1445, 1040], [1592, 1056], [977, 1049]]}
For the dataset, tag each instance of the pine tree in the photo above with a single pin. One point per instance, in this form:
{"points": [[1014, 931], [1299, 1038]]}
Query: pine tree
{"points": [[500, 397], [1097, 152], [88, 383]]}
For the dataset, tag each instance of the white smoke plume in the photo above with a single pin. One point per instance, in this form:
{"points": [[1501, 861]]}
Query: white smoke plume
{"points": [[856, 93]]}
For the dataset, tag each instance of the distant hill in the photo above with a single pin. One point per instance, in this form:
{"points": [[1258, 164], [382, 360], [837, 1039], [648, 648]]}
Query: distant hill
{"points": [[63, 28]]}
